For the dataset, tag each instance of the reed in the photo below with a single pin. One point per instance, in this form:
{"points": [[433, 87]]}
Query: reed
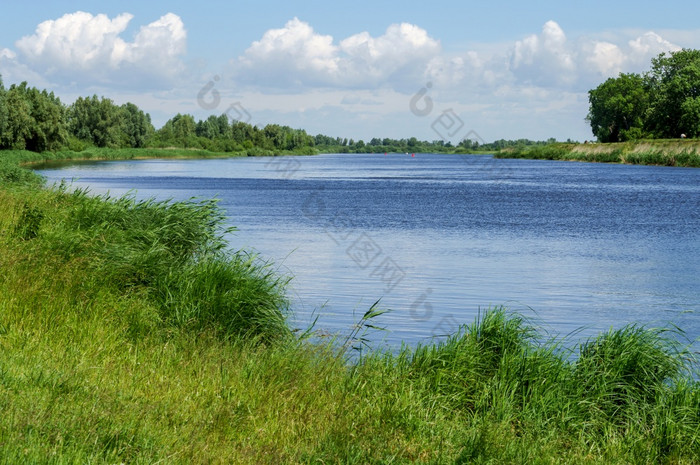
{"points": [[130, 333], [683, 153]]}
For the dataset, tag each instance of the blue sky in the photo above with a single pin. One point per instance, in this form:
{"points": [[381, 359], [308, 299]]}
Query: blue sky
{"points": [[493, 69]]}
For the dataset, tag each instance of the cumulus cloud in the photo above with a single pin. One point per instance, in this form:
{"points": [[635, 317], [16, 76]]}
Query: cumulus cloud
{"points": [[550, 59], [649, 45], [406, 56], [544, 59], [7, 53], [298, 56], [404, 48], [295, 50], [92, 45], [12, 71]]}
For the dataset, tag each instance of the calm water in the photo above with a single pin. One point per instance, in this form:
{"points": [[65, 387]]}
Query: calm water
{"points": [[576, 246]]}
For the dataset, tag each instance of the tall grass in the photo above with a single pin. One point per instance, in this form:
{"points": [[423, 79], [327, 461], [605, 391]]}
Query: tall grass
{"points": [[173, 253], [684, 153], [129, 333]]}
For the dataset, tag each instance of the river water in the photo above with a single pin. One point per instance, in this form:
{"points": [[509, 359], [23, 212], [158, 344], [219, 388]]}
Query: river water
{"points": [[576, 247]]}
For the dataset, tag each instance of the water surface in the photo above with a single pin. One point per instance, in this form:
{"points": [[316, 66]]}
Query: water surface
{"points": [[579, 247]]}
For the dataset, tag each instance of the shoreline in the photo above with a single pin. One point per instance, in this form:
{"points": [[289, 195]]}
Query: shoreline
{"points": [[128, 335], [684, 153]]}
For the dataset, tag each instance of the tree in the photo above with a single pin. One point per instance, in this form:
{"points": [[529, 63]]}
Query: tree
{"points": [[48, 131], [136, 125], [97, 121], [617, 108], [674, 82], [31, 119], [3, 111]]}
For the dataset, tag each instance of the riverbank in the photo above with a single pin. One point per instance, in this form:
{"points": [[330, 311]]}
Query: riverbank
{"points": [[669, 152], [130, 334]]}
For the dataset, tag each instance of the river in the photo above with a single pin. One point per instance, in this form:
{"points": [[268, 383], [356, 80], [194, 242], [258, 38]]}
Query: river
{"points": [[576, 247]]}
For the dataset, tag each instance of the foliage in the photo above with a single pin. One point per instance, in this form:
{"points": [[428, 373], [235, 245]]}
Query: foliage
{"points": [[31, 119], [674, 81], [617, 108], [664, 103], [99, 122], [129, 333], [673, 152]]}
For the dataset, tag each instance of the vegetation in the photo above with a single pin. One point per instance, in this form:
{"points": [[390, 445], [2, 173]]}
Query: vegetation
{"points": [[662, 104], [647, 119], [38, 121], [129, 333], [674, 152]]}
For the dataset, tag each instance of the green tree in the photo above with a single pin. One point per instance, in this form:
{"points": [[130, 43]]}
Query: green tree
{"points": [[3, 111], [97, 121], [674, 82], [49, 130], [181, 131], [618, 107], [136, 126], [31, 119], [19, 120]]}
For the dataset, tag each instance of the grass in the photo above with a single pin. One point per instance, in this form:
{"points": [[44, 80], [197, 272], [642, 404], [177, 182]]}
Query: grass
{"points": [[672, 152], [129, 333]]}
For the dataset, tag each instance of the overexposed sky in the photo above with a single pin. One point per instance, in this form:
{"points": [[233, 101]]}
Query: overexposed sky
{"points": [[356, 69]]}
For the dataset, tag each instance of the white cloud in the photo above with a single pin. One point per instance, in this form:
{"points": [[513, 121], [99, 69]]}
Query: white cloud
{"points": [[86, 48], [545, 59], [12, 71], [649, 45], [295, 50], [7, 53], [603, 58], [551, 60], [406, 57], [297, 56], [405, 49], [79, 40]]}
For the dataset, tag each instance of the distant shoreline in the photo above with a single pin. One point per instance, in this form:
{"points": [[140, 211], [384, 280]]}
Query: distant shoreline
{"points": [[661, 152]]}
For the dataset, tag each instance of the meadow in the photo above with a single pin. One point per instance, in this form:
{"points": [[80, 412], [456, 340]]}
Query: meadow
{"points": [[664, 152], [131, 333]]}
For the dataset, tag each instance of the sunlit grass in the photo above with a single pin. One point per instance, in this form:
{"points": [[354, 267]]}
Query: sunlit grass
{"points": [[129, 333], [673, 152]]}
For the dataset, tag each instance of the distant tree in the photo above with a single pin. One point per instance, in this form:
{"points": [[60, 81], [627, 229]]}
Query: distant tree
{"points": [[276, 137], [3, 111], [135, 125], [241, 132], [674, 83], [31, 119], [618, 107], [97, 121], [178, 131], [19, 119]]}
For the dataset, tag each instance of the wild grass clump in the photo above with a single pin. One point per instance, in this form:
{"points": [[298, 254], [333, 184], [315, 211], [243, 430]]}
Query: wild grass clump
{"points": [[626, 368], [235, 296], [174, 253], [684, 153], [130, 334]]}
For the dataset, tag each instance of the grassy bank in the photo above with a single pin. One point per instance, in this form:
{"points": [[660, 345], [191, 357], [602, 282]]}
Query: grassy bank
{"points": [[673, 152], [130, 334]]}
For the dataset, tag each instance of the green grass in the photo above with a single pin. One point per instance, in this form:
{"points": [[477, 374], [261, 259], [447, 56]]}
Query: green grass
{"points": [[129, 333], [675, 152]]}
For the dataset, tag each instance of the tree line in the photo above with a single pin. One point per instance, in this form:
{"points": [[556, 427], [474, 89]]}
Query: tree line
{"points": [[663, 103], [37, 120]]}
